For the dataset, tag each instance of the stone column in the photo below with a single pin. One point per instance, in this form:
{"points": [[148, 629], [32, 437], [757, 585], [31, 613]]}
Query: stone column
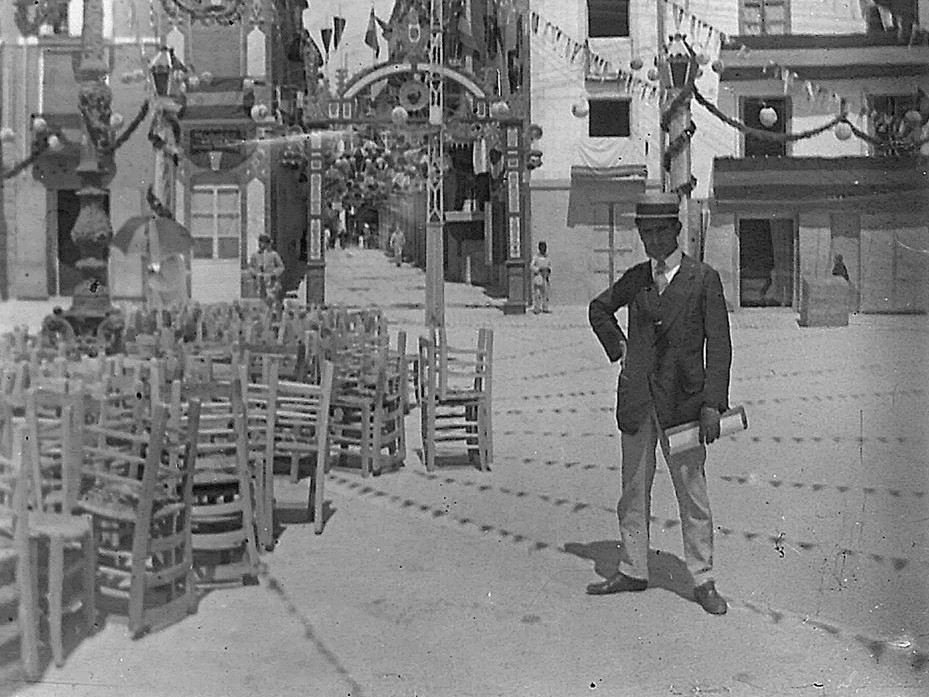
{"points": [[315, 245], [518, 242]]}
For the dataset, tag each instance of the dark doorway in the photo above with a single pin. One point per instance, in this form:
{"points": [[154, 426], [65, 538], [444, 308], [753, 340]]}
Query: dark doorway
{"points": [[68, 276], [766, 262]]}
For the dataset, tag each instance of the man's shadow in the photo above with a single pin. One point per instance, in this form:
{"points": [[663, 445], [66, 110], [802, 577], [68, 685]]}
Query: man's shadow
{"points": [[665, 570]]}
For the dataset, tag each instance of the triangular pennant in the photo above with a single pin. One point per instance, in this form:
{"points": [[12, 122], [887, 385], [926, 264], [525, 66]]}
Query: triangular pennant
{"points": [[338, 26], [327, 38], [371, 34]]}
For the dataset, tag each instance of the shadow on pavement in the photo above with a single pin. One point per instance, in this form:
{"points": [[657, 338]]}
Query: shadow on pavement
{"points": [[665, 570]]}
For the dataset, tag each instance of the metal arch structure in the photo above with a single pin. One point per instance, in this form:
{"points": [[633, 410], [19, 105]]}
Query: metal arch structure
{"points": [[325, 111]]}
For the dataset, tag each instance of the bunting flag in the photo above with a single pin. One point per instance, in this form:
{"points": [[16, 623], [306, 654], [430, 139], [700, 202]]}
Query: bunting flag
{"points": [[371, 34], [338, 26], [327, 38]]}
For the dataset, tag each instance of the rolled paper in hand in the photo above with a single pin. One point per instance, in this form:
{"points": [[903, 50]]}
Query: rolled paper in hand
{"points": [[687, 436]]}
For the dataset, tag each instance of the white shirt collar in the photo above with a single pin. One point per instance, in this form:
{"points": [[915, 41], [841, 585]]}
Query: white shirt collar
{"points": [[672, 262]]}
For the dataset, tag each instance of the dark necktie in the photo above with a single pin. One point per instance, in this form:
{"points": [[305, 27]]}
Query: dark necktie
{"points": [[661, 281]]}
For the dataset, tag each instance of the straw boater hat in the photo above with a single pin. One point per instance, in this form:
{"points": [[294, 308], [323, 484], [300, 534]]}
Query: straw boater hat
{"points": [[657, 206]]}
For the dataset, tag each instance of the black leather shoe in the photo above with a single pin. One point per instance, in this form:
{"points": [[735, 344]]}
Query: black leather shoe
{"points": [[618, 583], [711, 601]]}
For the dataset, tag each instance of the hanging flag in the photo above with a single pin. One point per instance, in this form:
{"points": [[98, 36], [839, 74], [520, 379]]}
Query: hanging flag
{"points": [[327, 38], [338, 26], [465, 31], [371, 34]]}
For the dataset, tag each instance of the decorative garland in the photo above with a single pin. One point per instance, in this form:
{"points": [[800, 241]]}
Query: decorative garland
{"points": [[130, 129], [37, 151], [766, 135]]}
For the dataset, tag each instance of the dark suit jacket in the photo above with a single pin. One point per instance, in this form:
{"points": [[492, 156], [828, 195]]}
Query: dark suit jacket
{"points": [[679, 351]]}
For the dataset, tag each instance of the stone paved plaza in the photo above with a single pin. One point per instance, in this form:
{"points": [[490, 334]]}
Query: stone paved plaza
{"points": [[463, 583]]}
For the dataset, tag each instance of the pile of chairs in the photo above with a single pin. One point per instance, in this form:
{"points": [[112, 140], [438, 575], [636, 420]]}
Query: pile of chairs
{"points": [[137, 479]]}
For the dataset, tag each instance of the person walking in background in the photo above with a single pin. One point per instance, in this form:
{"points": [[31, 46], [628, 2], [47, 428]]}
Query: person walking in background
{"points": [[674, 368], [265, 268], [838, 268], [397, 241], [541, 269]]}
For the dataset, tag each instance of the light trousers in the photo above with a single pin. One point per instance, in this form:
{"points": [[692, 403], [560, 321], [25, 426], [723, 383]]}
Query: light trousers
{"points": [[635, 503]]}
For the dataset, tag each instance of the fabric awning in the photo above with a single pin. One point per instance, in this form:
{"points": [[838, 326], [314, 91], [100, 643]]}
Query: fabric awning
{"points": [[595, 189], [824, 184]]}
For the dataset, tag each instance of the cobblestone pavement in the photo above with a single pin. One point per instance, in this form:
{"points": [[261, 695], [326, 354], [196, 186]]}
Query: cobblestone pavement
{"points": [[463, 582]]}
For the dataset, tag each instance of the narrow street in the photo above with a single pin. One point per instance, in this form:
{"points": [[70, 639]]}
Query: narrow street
{"points": [[461, 582]]}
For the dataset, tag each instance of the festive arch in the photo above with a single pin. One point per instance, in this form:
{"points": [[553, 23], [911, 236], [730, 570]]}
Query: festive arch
{"points": [[380, 72]]}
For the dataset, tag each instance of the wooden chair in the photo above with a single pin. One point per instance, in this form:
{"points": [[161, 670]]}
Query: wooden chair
{"points": [[18, 587], [368, 409], [61, 542], [224, 538], [139, 490], [456, 396], [259, 395], [302, 430]]}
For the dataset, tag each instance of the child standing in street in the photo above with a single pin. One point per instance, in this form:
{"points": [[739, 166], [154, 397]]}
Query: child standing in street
{"points": [[541, 269]]}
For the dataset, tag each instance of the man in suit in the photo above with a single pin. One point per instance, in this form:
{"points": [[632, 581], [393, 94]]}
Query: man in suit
{"points": [[674, 368]]}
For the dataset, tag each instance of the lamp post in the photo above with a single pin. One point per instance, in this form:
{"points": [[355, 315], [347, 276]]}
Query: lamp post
{"points": [[92, 230], [677, 71]]}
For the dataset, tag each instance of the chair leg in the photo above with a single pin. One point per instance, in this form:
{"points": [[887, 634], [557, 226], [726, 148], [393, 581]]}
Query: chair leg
{"points": [[90, 582], [268, 502], [429, 435], [28, 612], [317, 493], [56, 564], [294, 468]]}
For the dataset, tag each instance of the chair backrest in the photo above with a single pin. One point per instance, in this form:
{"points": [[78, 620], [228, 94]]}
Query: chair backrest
{"points": [[459, 369], [304, 408], [54, 432]]}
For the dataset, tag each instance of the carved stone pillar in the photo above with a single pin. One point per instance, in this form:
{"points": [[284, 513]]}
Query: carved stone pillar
{"points": [[315, 246], [518, 242]]}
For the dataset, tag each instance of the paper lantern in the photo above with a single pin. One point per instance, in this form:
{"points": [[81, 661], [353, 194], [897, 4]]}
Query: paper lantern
{"points": [[767, 116], [399, 115], [206, 77], [636, 63], [913, 117], [652, 74], [7, 135], [702, 58], [843, 131], [580, 108], [54, 143], [718, 66], [259, 112], [193, 81], [116, 120], [39, 124]]}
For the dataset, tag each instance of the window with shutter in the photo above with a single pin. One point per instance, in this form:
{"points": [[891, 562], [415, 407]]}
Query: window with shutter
{"points": [[215, 222], [607, 18], [758, 17]]}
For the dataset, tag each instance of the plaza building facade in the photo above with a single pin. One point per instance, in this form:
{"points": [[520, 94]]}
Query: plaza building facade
{"points": [[225, 187]]}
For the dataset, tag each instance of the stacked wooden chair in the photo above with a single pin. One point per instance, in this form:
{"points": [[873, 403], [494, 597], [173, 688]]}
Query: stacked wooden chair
{"points": [[62, 550], [139, 490], [455, 386], [224, 512]]}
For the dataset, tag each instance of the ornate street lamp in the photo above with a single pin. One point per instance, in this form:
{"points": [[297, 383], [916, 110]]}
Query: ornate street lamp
{"points": [[92, 230], [679, 67]]}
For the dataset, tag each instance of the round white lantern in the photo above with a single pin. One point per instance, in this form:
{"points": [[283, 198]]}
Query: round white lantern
{"points": [[652, 74], [767, 116], [259, 112], [206, 77], [193, 81], [718, 66], [39, 124], [702, 58], [54, 143], [580, 108], [636, 63], [116, 120], [843, 131]]}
